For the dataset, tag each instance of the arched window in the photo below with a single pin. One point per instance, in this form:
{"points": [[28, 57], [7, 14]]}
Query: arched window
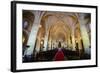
{"points": [[25, 24]]}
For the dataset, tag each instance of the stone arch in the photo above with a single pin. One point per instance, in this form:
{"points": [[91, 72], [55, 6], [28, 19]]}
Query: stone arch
{"points": [[44, 16]]}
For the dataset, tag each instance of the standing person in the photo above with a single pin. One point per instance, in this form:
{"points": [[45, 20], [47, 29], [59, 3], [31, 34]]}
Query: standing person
{"points": [[59, 56]]}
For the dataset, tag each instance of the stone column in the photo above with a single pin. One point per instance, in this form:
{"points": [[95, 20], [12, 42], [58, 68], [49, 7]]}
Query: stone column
{"points": [[73, 40], [33, 34], [38, 45], [84, 34], [45, 42], [69, 42], [79, 44], [49, 44]]}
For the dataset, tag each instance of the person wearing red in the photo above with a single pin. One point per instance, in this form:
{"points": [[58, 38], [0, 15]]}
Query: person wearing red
{"points": [[59, 56]]}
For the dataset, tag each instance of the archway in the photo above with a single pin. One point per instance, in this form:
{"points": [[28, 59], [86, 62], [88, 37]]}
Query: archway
{"points": [[58, 33]]}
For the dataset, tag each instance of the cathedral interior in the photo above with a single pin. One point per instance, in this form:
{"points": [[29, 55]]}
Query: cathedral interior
{"points": [[55, 36]]}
